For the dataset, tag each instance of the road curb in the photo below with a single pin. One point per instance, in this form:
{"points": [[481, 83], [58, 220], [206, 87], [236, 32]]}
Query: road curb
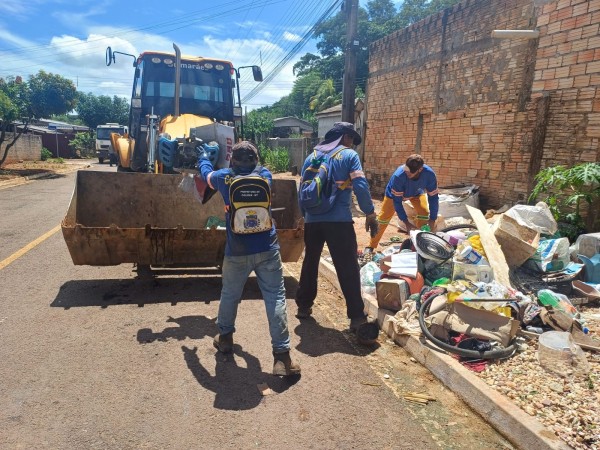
{"points": [[17, 180], [518, 427]]}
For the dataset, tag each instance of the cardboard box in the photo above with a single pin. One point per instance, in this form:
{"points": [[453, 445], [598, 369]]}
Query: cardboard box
{"points": [[518, 242], [391, 293]]}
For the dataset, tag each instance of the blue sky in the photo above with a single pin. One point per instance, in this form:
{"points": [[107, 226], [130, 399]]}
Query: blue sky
{"points": [[69, 37]]}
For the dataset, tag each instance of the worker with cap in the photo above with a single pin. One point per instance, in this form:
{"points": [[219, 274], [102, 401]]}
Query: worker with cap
{"points": [[416, 182], [246, 253], [336, 227]]}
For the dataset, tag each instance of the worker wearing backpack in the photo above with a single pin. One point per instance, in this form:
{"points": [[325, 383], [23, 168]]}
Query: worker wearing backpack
{"points": [[335, 159], [251, 246]]}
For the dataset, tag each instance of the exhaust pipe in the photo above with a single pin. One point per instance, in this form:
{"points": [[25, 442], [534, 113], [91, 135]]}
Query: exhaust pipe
{"points": [[177, 79]]}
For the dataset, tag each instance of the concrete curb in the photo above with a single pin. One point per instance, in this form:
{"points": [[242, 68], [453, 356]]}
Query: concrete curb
{"points": [[518, 427], [17, 180]]}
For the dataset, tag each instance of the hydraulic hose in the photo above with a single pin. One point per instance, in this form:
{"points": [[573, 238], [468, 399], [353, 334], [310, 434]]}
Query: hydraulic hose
{"points": [[498, 353]]}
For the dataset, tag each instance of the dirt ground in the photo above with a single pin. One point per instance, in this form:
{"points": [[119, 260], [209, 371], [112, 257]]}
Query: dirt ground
{"points": [[29, 168]]}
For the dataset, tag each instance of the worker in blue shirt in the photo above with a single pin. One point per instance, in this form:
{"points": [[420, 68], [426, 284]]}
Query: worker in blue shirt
{"points": [[336, 227], [416, 182], [244, 253]]}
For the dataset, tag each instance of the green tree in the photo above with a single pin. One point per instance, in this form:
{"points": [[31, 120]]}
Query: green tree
{"points": [[259, 124], [51, 94], [44, 95], [326, 97], [84, 144], [96, 110]]}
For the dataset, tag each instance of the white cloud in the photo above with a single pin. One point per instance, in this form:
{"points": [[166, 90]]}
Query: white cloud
{"points": [[291, 37]]}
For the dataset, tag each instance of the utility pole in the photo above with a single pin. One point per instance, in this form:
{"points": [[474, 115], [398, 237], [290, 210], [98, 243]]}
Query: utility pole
{"points": [[352, 44]]}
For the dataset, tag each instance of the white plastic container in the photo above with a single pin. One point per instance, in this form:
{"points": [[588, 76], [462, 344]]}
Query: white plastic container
{"points": [[558, 353], [470, 255]]}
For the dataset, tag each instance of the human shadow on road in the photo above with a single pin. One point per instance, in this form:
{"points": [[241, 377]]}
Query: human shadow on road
{"points": [[110, 292], [189, 327], [317, 340], [234, 385]]}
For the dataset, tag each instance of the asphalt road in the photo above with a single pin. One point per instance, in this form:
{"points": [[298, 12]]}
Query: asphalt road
{"points": [[95, 358]]}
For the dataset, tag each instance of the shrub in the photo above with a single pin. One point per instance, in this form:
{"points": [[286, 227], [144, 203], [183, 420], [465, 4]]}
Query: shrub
{"points": [[46, 154], [573, 194], [275, 159]]}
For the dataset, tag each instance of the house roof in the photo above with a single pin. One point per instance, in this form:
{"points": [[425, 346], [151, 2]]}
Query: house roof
{"points": [[330, 111], [292, 122], [337, 109]]}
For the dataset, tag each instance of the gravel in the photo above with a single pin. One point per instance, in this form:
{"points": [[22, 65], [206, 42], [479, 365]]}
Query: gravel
{"points": [[568, 406]]}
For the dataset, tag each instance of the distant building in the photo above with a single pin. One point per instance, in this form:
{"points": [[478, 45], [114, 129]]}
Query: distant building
{"points": [[284, 127], [56, 136]]}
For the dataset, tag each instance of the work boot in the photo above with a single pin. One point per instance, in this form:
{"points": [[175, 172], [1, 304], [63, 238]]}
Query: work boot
{"points": [[284, 366], [357, 322], [224, 342], [304, 313], [366, 331]]}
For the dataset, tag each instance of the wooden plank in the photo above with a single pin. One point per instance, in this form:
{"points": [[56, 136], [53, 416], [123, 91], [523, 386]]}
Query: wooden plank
{"points": [[492, 249]]}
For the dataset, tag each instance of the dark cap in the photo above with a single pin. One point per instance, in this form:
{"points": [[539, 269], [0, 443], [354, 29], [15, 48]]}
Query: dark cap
{"points": [[341, 128], [244, 149]]}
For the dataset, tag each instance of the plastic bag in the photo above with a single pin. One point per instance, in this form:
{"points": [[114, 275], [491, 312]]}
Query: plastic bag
{"points": [[187, 183], [370, 273], [538, 217], [551, 255]]}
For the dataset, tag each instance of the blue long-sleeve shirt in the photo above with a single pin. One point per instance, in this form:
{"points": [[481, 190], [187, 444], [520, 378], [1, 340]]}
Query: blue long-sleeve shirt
{"points": [[344, 166], [238, 244], [401, 187]]}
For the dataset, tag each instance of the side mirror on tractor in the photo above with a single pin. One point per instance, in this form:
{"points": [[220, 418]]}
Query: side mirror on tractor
{"points": [[257, 73]]}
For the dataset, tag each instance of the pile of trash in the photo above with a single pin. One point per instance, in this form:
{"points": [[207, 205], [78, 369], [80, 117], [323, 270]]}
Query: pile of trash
{"points": [[499, 289], [461, 287]]}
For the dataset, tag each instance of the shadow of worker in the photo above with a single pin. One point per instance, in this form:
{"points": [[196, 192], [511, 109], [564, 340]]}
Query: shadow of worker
{"points": [[235, 386], [317, 340], [188, 327]]}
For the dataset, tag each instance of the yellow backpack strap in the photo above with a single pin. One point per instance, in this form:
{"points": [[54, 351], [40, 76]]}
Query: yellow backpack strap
{"points": [[346, 183]]}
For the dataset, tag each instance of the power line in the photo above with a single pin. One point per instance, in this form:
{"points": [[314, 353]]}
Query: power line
{"points": [[292, 53]]}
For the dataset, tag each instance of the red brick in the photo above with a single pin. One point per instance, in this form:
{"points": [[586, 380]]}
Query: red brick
{"points": [[583, 20], [569, 59], [593, 67], [581, 81], [543, 20], [585, 56], [593, 42], [565, 48], [565, 13], [567, 24], [579, 45], [594, 5], [549, 7], [590, 30], [579, 9], [565, 83], [550, 85]]}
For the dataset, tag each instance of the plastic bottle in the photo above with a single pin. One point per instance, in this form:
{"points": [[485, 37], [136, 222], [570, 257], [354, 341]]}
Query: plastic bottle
{"points": [[468, 254], [548, 298], [537, 330], [455, 237]]}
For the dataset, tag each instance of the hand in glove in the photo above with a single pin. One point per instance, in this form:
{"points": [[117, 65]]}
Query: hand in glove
{"points": [[371, 224]]}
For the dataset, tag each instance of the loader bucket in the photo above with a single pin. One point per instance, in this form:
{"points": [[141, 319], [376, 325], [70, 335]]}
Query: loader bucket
{"points": [[143, 218]]}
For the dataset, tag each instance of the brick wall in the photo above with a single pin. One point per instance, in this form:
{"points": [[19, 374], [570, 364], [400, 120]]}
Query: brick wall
{"points": [[479, 109], [27, 148]]}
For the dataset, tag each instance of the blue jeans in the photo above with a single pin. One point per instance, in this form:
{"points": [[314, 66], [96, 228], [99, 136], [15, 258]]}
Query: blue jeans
{"points": [[269, 272]]}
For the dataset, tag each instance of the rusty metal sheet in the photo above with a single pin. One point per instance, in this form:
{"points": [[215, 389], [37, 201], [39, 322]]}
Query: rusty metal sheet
{"points": [[116, 218]]}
